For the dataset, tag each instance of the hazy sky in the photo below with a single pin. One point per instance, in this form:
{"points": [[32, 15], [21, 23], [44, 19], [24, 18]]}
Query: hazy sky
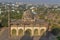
{"points": [[33, 1]]}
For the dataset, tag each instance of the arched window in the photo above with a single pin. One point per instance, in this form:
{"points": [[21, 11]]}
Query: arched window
{"points": [[36, 32], [20, 32], [28, 32], [14, 32]]}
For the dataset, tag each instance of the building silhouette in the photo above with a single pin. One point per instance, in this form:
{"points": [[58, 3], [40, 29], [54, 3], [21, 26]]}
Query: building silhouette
{"points": [[31, 23]]}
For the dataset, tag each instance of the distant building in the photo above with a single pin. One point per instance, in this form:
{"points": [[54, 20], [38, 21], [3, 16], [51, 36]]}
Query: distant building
{"points": [[33, 8]]}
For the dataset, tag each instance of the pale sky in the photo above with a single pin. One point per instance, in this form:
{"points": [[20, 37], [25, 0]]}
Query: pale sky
{"points": [[33, 1]]}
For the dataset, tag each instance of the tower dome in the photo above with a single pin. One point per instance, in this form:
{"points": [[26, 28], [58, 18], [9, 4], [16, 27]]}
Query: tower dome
{"points": [[27, 14], [27, 17]]}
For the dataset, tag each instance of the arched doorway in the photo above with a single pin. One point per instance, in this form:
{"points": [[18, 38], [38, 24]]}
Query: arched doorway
{"points": [[36, 32], [28, 32], [14, 32], [20, 32], [42, 31]]}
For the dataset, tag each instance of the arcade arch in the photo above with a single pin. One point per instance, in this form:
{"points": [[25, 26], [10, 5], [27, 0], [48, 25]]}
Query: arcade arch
{"points": [[28, 32], [35, 32], [20, 32], [14, 31]]}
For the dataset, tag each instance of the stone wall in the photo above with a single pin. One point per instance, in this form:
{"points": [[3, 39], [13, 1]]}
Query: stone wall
{"points": [[29, 28]]}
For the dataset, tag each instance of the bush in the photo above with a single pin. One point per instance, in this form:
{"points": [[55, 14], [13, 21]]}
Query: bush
{"points": [[58, 37], [55, 31], [1, 25]]}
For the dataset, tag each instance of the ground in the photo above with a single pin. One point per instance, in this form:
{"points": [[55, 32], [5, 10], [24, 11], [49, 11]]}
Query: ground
{"points": [[6, 36]]}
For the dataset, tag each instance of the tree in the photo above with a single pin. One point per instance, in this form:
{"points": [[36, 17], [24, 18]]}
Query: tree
{"points": [[4, 22]]}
